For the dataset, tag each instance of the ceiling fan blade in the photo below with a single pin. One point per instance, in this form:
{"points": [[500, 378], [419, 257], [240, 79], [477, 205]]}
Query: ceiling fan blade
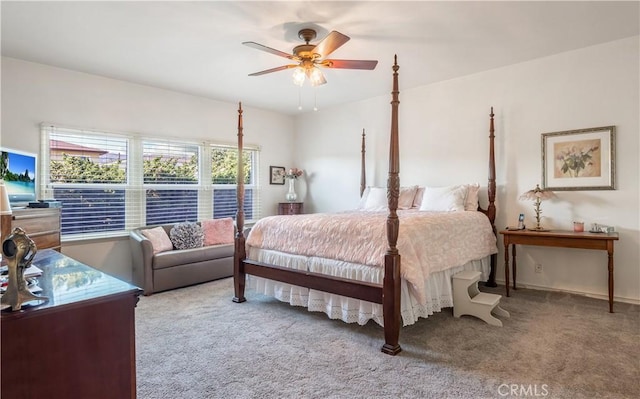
{"points": [[280, 68], [330, 43], [258, 46], [350, 64]]}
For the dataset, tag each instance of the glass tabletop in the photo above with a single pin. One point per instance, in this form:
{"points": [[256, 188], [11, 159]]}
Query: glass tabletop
{"points": [[66, 281]]}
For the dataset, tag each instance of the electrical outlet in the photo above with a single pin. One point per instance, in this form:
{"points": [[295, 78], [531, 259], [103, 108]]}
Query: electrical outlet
{"points": [[538, 267]]}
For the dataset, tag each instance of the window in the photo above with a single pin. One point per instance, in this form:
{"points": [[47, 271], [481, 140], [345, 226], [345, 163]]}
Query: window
{"points": [[89, 175], [224, 163], [171, 181], [110, 183]]}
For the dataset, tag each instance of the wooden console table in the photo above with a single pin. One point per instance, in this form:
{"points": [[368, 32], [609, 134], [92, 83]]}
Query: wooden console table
{"points": [[79, 344], [558, 238]]}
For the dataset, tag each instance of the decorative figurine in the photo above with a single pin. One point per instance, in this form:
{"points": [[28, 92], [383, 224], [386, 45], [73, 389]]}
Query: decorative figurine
{"points": [[19, 251]]}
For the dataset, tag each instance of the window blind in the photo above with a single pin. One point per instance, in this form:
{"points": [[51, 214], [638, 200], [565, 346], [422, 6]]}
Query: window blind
{"points": [[110, 183], [171, 181]]}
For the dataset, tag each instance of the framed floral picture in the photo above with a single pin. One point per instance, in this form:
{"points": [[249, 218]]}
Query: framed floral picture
{"points": [[276, 174], [581, 159]]}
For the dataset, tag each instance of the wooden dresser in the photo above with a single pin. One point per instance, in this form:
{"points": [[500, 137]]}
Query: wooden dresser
{"points": [[42, 225], [290, 208], [79, 344]]}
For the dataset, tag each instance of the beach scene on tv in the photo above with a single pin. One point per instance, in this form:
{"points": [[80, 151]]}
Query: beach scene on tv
{"points": [[18, 172]]}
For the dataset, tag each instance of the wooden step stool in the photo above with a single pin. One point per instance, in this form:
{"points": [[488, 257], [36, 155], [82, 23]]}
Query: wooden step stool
{"points": [[468, 300]]}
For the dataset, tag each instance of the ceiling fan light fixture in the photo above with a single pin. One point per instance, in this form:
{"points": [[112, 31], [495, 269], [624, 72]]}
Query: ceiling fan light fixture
{"points": [[316, 77], [298, 76]]}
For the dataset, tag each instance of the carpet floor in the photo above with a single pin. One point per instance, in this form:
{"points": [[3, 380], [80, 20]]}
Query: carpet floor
{"points": [[196, 343]]}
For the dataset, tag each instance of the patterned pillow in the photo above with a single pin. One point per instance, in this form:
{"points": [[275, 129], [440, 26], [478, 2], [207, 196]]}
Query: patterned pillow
{"points": [[186, 235]]}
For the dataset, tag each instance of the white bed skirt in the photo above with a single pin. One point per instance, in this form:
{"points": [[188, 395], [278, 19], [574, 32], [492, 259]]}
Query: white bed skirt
{"points": [[349, 310]]}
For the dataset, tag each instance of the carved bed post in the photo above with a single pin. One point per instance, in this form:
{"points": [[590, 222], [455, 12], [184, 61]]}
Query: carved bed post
{"points": [[491, 209], [239, 276], [363, 174], [391, 282]]}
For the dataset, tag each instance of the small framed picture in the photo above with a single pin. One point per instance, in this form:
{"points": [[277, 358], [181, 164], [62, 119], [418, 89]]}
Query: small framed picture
{"points": [[276, 174]]}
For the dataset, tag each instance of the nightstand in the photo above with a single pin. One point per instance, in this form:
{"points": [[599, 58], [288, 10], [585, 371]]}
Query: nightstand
{"points": [[290, 208]]}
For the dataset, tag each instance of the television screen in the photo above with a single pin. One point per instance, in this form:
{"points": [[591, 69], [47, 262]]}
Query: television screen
{"points": [[18, 170]]}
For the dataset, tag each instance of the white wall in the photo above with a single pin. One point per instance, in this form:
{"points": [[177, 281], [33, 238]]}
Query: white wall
{"points": [[444, 140], [34, 93]]}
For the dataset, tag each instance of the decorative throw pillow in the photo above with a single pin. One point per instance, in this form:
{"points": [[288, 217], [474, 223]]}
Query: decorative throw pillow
{"points": [[407, 195], [471, 202], [159, 239], [218, 231], [417, 200], [186, 235], [450, 198]]}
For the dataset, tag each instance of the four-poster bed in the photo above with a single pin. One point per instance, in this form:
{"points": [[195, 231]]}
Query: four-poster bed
{"points": [[386, 282]]}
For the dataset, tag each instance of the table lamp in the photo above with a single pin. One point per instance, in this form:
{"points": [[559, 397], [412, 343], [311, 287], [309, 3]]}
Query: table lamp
{"points": [[5, 209], [5, 206], [538, 195]]}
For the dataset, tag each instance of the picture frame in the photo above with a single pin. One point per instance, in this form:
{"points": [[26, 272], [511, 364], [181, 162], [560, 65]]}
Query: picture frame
{"points": [[276, 175], [582, 159]]}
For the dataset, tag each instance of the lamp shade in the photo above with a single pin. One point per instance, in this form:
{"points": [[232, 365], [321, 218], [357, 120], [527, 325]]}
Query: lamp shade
{"points": [[538, 193], [298, 76], [5, 205]]}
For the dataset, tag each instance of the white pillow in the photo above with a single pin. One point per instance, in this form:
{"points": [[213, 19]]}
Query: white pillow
{"points": [[363, 198], [450, 198], [471, 202], [376, 200]]}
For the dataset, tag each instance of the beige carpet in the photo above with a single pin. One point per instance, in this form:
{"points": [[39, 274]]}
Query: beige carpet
{"points": [[196, 343]]}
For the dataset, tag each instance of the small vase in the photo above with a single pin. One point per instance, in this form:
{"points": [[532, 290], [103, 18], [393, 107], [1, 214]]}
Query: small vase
{"points": [[291, 194]]}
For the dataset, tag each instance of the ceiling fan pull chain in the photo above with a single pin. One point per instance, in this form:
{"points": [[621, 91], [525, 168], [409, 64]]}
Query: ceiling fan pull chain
{"points": [[299, 98]]}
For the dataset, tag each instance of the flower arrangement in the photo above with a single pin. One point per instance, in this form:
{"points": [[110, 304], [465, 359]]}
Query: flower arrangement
{"points": [[293, 173], [575, 159]]}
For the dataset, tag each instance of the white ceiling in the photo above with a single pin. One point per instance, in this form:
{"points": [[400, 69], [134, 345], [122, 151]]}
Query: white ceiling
{"points": [[195, 47]]}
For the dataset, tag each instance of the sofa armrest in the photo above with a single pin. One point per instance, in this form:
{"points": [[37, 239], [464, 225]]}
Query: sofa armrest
{"points": [[142, 259]]}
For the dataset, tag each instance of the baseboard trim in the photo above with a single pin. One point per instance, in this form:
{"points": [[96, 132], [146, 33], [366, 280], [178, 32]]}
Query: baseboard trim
{"points": [[633, 301]]}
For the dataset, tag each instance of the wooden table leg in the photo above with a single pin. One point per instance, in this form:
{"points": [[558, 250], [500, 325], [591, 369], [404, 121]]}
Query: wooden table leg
{"points": [[514, 266], [506, 263], [610, 267]]}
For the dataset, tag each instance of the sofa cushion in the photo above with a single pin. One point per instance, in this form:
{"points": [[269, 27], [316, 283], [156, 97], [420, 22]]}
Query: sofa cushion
{"points": [[186, 235], [159, 239], [218, 231], [194, 255]]}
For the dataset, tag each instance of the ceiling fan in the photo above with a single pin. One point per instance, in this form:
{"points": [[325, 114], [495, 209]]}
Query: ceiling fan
{"points": [[310, 57]]}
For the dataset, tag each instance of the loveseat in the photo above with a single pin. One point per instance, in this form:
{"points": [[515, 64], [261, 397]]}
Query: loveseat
{"points": [[171, 268]]}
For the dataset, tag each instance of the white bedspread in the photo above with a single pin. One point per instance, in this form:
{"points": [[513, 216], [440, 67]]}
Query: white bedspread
{"points": [[428, 242]]}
